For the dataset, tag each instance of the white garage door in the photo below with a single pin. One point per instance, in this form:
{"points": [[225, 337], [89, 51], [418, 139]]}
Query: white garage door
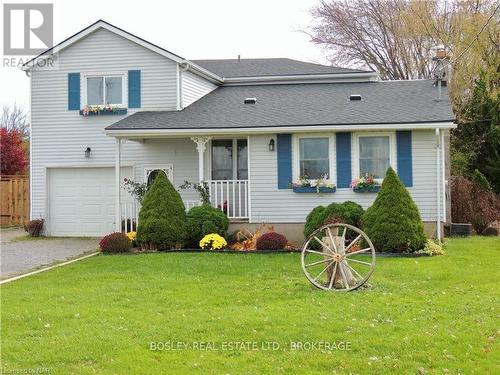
{"points": [[82, 201]]}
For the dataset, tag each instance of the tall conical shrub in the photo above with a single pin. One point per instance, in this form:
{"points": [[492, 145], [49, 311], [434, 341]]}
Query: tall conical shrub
{"points": [[162, 219], [393, 222]]}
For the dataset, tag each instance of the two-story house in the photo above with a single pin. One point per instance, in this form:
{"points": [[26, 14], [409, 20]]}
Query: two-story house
{"points": [[115, 106]]}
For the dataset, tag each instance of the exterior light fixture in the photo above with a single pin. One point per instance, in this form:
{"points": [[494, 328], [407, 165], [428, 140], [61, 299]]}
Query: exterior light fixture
{"points": [[271, 145], [87, 152]]}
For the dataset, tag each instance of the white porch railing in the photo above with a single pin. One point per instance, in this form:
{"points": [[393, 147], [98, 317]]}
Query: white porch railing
{"points": [[129, 212], [231, 196]]}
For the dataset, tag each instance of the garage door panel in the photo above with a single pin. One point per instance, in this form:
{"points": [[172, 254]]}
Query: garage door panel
{"points": [[92, 210], [81, 201], [65, 191], [92, 191]]}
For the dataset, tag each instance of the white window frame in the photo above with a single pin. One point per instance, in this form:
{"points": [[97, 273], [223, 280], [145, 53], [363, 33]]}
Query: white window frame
{"points": [[167, 168], [234, 146], [392, 150], [105, 75], [332, 178]]}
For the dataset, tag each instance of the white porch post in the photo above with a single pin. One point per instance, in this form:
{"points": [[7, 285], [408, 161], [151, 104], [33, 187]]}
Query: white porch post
{"points": [[118, 219], [201, 143]]}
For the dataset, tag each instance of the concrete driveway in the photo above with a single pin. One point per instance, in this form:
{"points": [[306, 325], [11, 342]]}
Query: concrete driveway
{"points": [[20, 256]]}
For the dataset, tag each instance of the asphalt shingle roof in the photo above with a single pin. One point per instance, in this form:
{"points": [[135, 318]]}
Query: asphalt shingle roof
{"points": [[231, 68], [302, 104]]}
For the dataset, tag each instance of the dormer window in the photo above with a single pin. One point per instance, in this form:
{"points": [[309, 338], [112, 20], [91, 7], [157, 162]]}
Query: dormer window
{"points": [[104, 90]]}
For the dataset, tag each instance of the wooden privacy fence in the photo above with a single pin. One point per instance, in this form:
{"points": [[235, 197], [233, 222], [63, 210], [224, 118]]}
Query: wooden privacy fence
{"points": [[15, 200]]}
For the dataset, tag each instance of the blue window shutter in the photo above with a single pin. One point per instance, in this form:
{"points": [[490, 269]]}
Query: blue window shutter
{"points": [[284, 150], [74, 91], [404, 154], [134, 89], [343, 146]]}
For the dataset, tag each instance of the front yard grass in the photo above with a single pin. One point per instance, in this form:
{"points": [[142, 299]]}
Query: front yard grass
{"points": [[421, 315]]}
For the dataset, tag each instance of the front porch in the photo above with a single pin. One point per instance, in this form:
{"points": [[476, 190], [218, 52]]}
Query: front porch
{"points": [[220, 164]]}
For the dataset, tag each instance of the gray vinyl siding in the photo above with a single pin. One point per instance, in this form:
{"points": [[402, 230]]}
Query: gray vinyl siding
{"points": [[194, 87], [272, 205], [59, 136]]}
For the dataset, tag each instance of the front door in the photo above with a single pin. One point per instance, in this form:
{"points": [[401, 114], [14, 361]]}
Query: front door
{"points": [[229, 173]]}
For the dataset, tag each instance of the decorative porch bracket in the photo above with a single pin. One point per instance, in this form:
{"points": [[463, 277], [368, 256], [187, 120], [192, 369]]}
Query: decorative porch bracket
{"points": [[201, 143]]}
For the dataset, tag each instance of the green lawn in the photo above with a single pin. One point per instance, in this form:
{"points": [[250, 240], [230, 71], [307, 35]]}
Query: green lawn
{"points": [[421, 315]]}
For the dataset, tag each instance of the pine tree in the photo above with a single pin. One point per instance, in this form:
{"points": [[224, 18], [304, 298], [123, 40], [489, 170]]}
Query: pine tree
{"points": [[393, 222], [162, 219]]}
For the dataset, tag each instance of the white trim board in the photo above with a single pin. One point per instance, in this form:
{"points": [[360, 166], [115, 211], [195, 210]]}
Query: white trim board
{"points": [[125, 34], [148, 133]]}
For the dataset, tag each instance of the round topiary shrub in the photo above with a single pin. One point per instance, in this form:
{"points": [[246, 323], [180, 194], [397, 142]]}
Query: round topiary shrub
{"points": [[115, 243], [203, 220], [347, 212], [393, 222], [271, 241], [162, 219]]}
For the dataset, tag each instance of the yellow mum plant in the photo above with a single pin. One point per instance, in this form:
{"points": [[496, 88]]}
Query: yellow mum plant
{"points": [[132, 235], [213, 241]]}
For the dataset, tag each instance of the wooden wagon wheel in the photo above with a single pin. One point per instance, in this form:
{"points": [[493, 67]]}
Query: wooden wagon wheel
{"points": [[338, 257]]}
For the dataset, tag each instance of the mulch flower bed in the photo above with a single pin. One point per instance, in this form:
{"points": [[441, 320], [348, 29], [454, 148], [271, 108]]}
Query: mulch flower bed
{"points": [[137, 250]]}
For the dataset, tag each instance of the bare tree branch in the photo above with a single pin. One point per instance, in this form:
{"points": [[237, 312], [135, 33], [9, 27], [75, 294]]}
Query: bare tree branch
{"points": [[15, 118], [398, 37]]}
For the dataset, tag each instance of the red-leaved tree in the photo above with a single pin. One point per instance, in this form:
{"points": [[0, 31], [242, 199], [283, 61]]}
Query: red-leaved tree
{"points": [[12, 154]]}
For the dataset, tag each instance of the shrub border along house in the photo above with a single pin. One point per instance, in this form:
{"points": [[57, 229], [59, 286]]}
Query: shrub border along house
{"points": [[392, 222]]}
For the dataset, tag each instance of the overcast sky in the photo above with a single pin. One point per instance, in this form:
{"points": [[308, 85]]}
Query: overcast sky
{"points": [[194, 29]]}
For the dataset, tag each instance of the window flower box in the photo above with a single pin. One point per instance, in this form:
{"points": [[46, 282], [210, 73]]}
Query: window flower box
{"points": [[320, 185], [365, 184], [366, 189], [102, 111], [311, 189]]}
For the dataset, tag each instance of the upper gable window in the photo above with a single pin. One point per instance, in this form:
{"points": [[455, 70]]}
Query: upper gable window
{"points": [[105, 90]]}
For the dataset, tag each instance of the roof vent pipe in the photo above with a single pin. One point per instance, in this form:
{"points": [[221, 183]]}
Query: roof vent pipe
{"points": [[440, 68]]}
